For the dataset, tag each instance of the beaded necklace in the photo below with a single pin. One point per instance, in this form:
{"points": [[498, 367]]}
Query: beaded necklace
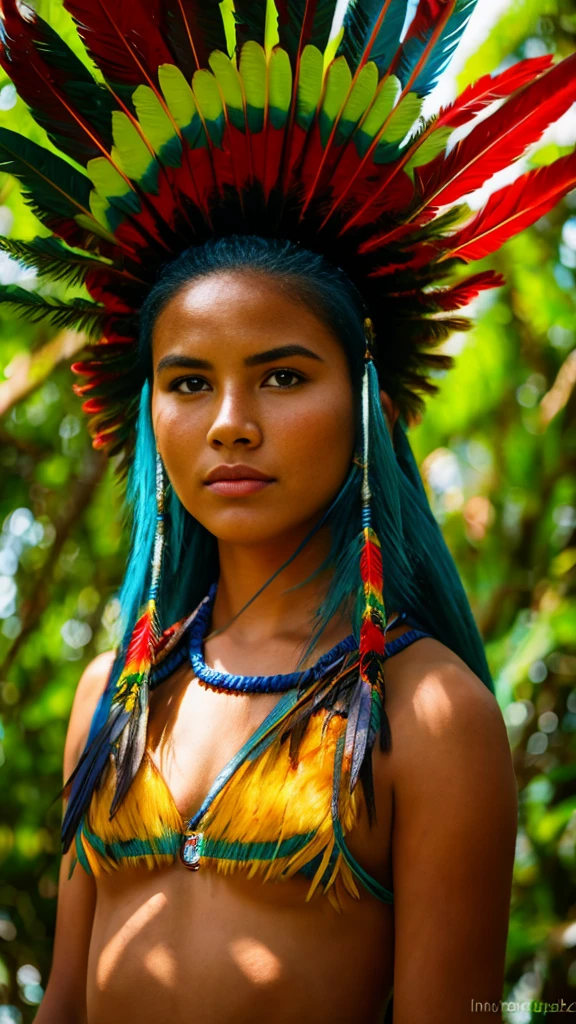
{"points": [[192, 649], [254, 684]]}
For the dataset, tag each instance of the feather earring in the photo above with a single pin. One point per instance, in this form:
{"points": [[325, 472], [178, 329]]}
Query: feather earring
{"points": [[366, 714], [133, 685]]}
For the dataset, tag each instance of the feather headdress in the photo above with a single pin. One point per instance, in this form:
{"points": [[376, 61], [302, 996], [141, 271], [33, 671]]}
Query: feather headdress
{"points": [[254, 117], [190, 119]]}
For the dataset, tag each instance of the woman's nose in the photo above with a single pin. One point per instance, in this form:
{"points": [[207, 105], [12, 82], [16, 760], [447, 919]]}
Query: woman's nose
{"points": [[234, 423]]}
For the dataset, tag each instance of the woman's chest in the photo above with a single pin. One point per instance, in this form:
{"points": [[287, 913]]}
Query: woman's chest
{"points": [[195, 732], [251, 796]]}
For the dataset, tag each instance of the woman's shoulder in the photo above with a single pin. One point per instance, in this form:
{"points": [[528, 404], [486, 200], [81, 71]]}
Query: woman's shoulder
{"points": [[91, 685], [439, 709]]}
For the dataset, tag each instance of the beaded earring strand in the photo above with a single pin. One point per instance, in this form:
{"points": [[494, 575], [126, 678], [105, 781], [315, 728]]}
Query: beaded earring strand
{"points": [[133, 685], [366, 715]]}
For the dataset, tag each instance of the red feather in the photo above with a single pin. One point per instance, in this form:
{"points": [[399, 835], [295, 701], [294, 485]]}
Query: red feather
{"points": [[371, 639], [480, 94], [426, 15], [331, 143], [122, 39], [41, 86], [193, 29], [371, 565], [430, 13], [420, 255], [501, 138], [45, 87], [513, 208], [141, 642], [463, 293], [477, 96]]}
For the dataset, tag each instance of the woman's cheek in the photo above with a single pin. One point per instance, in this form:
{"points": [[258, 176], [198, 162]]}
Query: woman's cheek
{"points": [[324, 430], [172, 427], [316, 448]]}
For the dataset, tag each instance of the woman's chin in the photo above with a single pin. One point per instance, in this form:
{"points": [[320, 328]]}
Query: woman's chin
{"points": [[247, 528]]}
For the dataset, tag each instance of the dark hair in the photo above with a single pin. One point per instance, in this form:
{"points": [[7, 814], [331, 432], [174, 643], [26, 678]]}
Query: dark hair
{"points": [[419, 573], [304, 276]]}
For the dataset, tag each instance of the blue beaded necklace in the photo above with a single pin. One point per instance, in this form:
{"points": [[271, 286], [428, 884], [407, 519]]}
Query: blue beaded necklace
{"points": [[192, 650], [254, 684]]}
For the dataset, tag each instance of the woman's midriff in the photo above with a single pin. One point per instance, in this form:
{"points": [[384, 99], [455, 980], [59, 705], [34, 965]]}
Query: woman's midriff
{"points": [[181, 946]]}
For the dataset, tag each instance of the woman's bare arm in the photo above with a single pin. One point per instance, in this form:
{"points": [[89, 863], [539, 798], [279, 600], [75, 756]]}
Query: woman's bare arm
{"points": [[455, 819], [64, 1001]]}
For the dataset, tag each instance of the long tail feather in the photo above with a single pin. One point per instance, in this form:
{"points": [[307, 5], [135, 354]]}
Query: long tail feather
{"points": [[193, 29], [430, 42], [512, 209], [63, 96], [372, 32], [122, 39], [435, 19], [428, 143], [304, 23], [501, 138]]}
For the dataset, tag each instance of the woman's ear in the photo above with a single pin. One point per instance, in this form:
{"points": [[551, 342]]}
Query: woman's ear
{"points": [[390, 410]]}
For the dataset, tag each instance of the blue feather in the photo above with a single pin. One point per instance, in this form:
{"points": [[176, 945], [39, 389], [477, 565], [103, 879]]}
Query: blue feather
{"points": [[359, 22], [440, 56], [87, 773], [387, 41]]}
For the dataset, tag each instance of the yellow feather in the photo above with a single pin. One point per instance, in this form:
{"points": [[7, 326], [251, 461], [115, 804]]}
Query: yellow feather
{"points": [[267, 800], [148, 813]]}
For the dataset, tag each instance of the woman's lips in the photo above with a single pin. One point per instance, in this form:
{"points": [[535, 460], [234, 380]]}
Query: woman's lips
{"points": [[238, 488]]}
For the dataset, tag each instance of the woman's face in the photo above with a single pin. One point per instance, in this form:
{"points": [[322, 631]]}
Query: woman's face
{"points": [[246, 376]]}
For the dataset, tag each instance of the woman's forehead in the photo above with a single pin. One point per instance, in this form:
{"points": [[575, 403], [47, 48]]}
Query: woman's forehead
{"points": [[238, 308]]}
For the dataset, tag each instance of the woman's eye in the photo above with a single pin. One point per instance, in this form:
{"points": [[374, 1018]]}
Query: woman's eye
{"points": [[188, 385], [285, 378]]}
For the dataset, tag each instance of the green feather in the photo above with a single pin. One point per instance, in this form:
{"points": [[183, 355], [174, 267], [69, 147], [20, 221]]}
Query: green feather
{"points": [[52, 258], [401, 122], [332, 48], [360, 98], [309, 85], [131, 153], [271, 33], [381, 107], [253, 75], [229, 24], [110, 184], [435, 143], [209, 103], [338, 83], [112, 197], [181, 104], [56, 188], [378, 112], [279, 87], [157, 126], [104, 212], [403, 119], [78, 314], [363, 92], [228, 78], [95, 226]]}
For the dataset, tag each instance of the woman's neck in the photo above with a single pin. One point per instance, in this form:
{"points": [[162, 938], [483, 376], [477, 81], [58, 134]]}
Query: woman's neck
{"points": [[278, 611]]}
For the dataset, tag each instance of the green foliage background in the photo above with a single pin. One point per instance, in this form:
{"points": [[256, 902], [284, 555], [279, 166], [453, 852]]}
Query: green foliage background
{"points": [[497, 451]]}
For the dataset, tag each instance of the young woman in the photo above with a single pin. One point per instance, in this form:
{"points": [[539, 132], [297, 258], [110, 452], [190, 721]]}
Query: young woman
{"points": [[255, 352], [288, 792]]}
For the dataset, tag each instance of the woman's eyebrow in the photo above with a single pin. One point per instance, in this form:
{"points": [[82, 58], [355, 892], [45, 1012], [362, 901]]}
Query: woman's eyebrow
{"points": [[281, 352]]}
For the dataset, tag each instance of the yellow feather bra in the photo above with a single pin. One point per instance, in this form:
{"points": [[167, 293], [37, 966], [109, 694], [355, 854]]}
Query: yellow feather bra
{"points": [[277, 809]]}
